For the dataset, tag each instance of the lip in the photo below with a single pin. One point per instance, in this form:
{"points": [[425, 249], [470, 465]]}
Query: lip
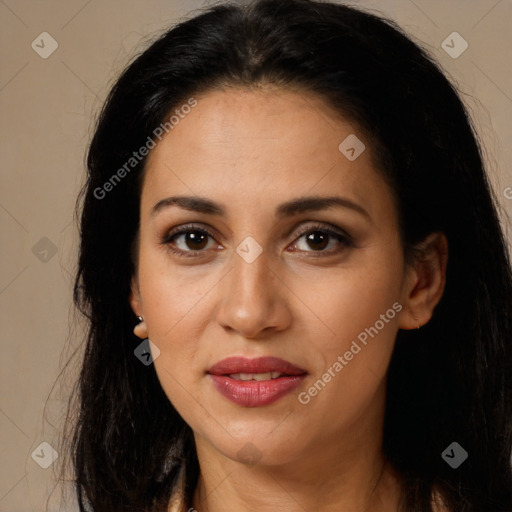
{"points": [[255, 393], [257, 365]]}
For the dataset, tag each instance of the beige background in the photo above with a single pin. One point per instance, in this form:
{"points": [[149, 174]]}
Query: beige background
{"points": [[48, 107]]}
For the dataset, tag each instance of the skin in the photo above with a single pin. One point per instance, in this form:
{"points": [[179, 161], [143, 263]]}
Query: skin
{"points": [[250, 151]]}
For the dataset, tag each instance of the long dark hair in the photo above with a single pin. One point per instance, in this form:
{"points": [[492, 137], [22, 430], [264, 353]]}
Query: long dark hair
{"points": [[449, 381]]}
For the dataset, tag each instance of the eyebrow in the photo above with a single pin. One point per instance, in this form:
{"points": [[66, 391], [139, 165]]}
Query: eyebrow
{"points": [[293, 207]]}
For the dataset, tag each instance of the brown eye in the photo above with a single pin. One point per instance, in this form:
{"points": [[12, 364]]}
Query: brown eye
{"points": [[322, 239], [189, 240], [195, 240], [317, 240]]}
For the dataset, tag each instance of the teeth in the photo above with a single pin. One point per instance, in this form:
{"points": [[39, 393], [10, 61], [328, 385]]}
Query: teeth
{"points": [[255, 376]]}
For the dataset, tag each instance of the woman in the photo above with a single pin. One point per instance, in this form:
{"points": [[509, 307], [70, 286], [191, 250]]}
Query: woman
{"points": [[287, 204]]}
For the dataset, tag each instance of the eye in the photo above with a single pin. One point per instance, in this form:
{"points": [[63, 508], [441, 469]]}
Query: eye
{"points": [[189, 239], [322, 239]]}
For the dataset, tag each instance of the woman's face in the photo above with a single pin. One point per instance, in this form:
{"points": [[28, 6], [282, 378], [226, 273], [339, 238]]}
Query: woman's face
{"points": [[244, 267]]}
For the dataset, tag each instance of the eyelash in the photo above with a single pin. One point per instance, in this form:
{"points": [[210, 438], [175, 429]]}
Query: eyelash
{"points": [[342, 237]]}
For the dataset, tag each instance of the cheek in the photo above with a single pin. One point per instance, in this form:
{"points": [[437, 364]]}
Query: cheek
{"points": [[174, 325], [173, 304], [359, 314], [348, 301], [172, 295]]}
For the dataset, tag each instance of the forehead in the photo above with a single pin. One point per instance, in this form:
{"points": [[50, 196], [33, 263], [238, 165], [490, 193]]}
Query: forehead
{"points": [[225, 121], [248, 142]]}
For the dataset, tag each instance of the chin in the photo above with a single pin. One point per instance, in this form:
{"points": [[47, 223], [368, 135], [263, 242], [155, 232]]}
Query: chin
{"points": [[256, 447]]}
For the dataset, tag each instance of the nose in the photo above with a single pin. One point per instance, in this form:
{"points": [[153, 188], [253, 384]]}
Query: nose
{"points": [[254, 299]]}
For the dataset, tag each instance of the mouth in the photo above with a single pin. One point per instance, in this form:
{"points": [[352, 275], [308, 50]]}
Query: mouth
{"points": [[258, 377], [269, 367], [255, 382]]}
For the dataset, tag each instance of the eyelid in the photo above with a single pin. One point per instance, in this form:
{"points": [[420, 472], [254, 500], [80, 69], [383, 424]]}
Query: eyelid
{"points": [[186, 228], [344, 239], [181, 230], [298, 233], [324, 226]]}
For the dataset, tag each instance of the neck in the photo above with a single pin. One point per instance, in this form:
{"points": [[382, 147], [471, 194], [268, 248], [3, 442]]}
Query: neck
{"points": [[270, 489]]}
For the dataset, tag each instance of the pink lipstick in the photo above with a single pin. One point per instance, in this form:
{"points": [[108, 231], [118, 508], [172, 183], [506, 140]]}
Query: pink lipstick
{"points": [[255, 382]]}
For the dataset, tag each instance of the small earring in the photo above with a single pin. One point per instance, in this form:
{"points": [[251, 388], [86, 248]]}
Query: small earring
{"points": [[140, 330]]}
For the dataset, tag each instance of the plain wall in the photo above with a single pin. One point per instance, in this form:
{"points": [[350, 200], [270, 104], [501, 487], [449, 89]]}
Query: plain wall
{"points": [[48, 109]]}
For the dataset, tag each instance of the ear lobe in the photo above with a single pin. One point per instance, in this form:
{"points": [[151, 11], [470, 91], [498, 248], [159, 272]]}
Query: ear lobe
{"points": [[140, 330], [428, 282]]}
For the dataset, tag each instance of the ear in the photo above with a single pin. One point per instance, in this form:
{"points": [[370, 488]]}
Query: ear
{"points": [[140, 330], [425, 282], [134, 298]]}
